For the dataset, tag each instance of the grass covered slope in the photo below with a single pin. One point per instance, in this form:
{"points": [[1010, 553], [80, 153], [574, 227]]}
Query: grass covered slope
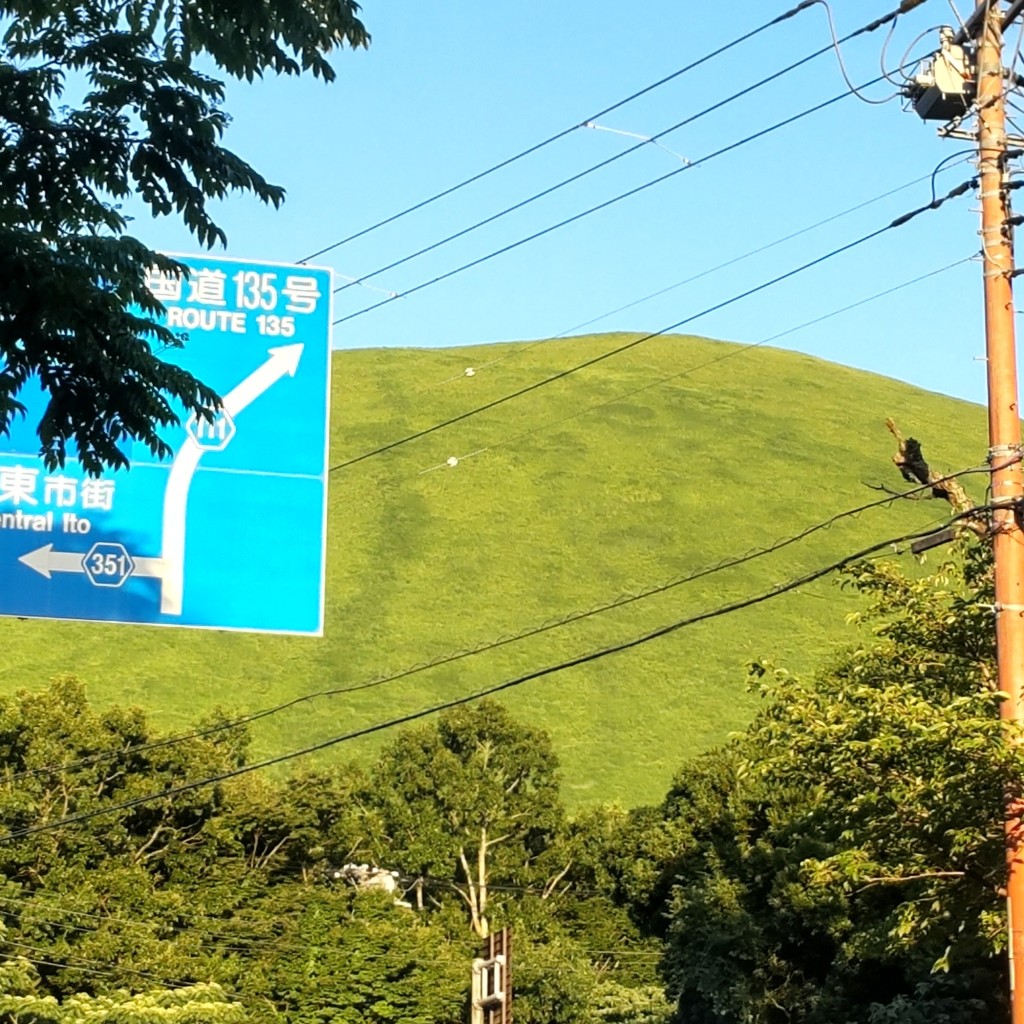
{"points": [[554, 513]]}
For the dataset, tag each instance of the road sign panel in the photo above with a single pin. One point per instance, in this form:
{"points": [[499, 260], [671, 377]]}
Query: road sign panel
{"points": [[228, 533]]}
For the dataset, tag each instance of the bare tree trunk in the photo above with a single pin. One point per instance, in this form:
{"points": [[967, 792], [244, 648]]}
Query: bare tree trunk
{"points": [[471, 896], [476, 887], [481, 872]]}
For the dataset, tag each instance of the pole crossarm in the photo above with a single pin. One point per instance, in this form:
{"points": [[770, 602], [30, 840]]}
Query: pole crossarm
{"points": [[972, 26]]}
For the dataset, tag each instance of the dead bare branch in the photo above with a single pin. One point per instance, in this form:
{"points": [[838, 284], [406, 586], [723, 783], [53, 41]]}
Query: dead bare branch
{"points": [[901, 879], [552, 883], [910, 461]]}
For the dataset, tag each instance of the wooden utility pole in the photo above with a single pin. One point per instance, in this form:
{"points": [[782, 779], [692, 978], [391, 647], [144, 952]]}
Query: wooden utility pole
{"points": [[491, 994], [1004, 448]]}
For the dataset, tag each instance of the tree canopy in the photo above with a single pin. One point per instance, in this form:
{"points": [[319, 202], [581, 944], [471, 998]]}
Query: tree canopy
{"points": [[236, 884], [101, 102], [844, 858]]}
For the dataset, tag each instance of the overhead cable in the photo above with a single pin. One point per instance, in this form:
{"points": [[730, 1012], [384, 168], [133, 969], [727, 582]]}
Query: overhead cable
{"points": [[27, 909], [519, 349], [750, 253], [619, 601], [572, 179], [591, 656], [89, 966], [871, 26], [728, 353], [746, 140], [837, 44], [802, 6], [863, 302], [536, 385]]}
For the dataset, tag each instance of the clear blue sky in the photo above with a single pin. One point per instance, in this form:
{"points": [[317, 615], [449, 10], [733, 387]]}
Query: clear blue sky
{"points": [[447, 89]]}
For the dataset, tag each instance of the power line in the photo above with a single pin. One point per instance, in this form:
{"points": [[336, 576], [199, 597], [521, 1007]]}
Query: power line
{"points": [[622, 600], [494, 403], [745, 91], [241, 998], [725, 609], [865, 301], [729, 353], [35, 910], [746, 140], [74, 962], [747, 255], [837, 43], [31, 906], [583, 659], [520, 349], [89, 966], [803, 5], [949, 161], [687, 165]]}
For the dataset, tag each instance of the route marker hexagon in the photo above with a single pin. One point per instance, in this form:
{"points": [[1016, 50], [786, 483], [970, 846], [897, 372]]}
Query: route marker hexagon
{"points": [[108, 564], [211, 437]]}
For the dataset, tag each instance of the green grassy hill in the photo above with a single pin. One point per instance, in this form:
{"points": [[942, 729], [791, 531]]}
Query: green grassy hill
{"points": [[425, 559]]}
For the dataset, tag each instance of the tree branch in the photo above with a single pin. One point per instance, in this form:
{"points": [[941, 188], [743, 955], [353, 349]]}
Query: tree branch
{"points": [[549, 886], [471, 896], [898, 879], [910, 461], [140, 853], [897, 494]]}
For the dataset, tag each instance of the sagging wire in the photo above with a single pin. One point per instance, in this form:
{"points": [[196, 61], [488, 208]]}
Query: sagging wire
{"points": [[842, 63], [454, 461]]}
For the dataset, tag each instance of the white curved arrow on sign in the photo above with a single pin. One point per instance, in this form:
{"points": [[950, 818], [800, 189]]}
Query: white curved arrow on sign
{"points": [[169, 567], [283, 361]]}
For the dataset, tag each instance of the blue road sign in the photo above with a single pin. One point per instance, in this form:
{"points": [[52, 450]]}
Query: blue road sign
{"points": [[229, 533]]}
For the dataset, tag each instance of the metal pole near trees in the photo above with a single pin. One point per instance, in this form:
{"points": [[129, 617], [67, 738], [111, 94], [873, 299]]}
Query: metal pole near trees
{"points": [[1004, 447], [491, 994]]}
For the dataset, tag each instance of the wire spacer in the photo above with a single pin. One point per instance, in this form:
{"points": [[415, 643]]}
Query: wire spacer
{"points": [[998, 607]]}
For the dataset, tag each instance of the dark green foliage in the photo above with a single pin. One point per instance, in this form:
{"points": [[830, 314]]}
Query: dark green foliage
{"points": [[22, 1001], [119, 890], [233, 883], [843, 859], [472, 802], [348, 958], [100, 102], [554, 983]]}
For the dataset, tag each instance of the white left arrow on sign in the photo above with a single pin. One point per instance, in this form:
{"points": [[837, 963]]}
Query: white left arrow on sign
{"points": [[46, 562]]}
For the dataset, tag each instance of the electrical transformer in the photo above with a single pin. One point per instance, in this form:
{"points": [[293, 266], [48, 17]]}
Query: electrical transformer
{"points": [[946, 86]]}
